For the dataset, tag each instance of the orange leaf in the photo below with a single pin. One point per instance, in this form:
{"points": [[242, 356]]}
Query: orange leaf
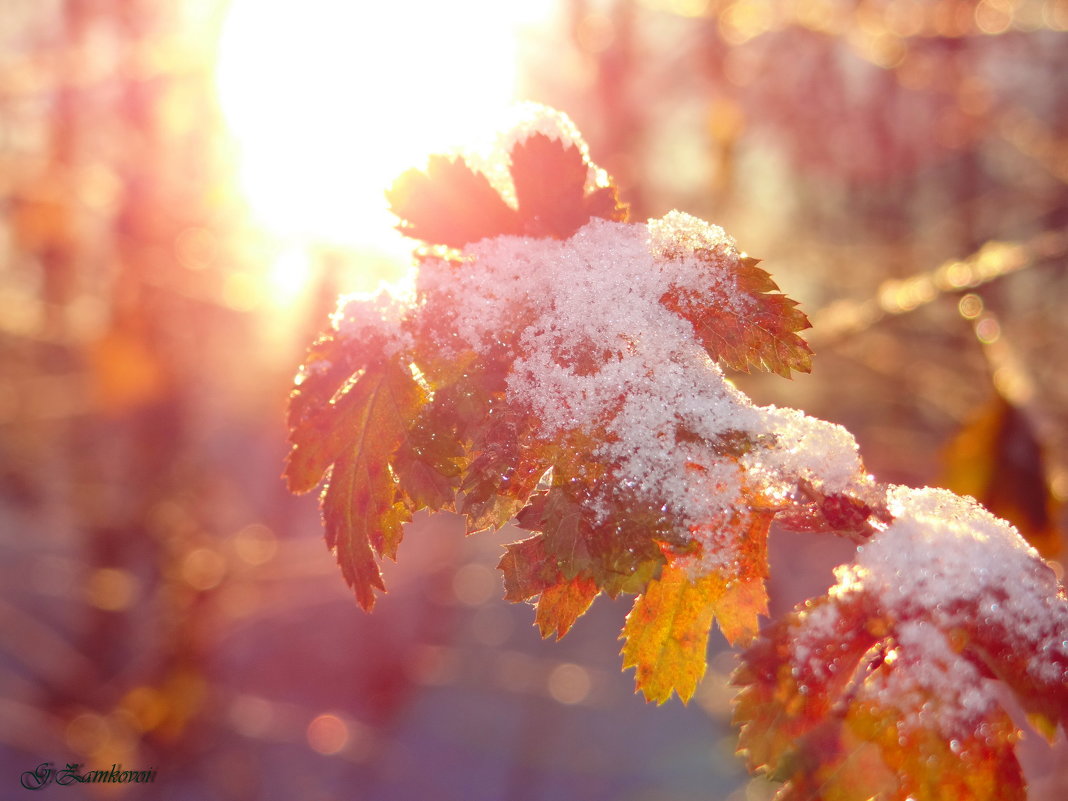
{"points": [[738, 610], [781, 702], [997, 459], [561, 605], [927, 765]]}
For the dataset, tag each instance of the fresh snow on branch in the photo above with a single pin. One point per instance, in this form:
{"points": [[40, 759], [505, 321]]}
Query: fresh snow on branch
{"points": [[550, 362]]}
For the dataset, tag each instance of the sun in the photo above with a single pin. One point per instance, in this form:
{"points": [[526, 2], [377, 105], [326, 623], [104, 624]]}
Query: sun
{"points": [[329, 101]]}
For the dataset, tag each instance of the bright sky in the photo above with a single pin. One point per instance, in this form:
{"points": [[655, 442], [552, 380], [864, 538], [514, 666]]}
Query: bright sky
{"points": [[330, 101]]}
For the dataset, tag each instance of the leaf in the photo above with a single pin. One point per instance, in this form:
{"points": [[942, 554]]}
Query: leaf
{"points": [[744, 597], [550, 186], [795, 676], [449, 204], [621, 554], [428, 466], [830, 762], [928, 766], [506, 466], [997, 459], [604, 202], [758, 329], [739, 609], [561, 519], [862, 751], [489, 513], [430, 484], [666, 634], [351, 518], [1027, 658], [839, 703], [360, 506], [316, 418], [320, 440], [840, 513], [528, 569], [561, 605]]}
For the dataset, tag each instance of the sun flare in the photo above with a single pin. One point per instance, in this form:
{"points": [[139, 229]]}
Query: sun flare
{"points": [[330, 101]]}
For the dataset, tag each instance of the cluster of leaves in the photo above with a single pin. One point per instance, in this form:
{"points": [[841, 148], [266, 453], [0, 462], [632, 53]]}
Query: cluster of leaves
{"points": [[394, 425], [393, 432], [826, 727]]}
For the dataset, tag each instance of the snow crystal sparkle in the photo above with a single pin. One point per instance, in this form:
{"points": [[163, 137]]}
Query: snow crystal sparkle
{"points": [[552, 364]]}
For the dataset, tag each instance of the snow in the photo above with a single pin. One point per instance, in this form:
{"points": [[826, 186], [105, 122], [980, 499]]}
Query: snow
{"points": [[822, 454], [948, 556], [600, 352], [523, 121], [943, 549], [597, 351], [818, 626], [931, 685], [533, 118], [945, 563], [382, 315]]}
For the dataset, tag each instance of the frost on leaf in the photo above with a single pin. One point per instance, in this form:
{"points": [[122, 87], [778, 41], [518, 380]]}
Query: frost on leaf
{"points": [[736, 310], [555, 339], [885, 686], [551, 364]]}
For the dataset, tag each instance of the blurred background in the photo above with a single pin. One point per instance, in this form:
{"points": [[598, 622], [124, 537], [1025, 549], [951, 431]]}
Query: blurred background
{"points": [[186, 185]]}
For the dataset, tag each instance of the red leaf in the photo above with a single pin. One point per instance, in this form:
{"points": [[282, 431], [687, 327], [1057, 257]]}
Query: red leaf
{"points": [[350, 504], [550, 185], [838, 701], [604, 202], [527, 568], [428, 467], [328, 364], [758, 330], [361, 510], [319, 412], [449, 204], [781, 701], [1008, 652], [506, 466], [320, 440], [840, 513]]}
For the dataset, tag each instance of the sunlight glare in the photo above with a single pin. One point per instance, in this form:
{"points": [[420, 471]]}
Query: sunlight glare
{"points": [[330, 101]]}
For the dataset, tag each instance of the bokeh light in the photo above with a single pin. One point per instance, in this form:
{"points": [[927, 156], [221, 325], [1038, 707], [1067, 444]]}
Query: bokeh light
{"points": [[188, 185], [331, 101]]}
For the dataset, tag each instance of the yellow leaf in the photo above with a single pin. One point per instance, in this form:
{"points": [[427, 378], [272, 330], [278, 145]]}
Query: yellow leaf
{"points": [[666, 634]]}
